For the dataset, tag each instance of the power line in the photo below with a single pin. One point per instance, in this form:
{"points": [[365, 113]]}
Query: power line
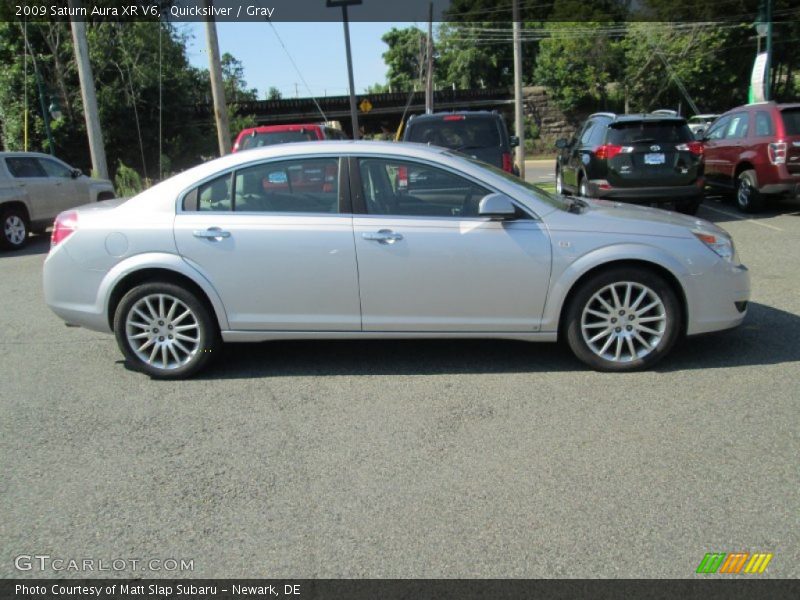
{"points": [[299, 74]]}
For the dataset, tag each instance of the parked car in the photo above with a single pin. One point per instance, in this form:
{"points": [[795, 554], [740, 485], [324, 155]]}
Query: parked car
{"points": [[35, 187], [267, 135], [445, 247], [699, 123], [646, 158], [754, 152], [480, 134]]}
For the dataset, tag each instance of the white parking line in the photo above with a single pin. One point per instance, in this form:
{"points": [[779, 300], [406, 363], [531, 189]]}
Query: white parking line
{"points": [[740, 218]]}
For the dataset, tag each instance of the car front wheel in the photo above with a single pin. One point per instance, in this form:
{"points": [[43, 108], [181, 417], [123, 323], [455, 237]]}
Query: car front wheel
{"points": [[583, 188], [165, 331], [748, 198], [623, 319], [15, 229]]}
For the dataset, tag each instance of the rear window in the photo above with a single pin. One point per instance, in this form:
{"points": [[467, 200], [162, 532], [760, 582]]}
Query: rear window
{"points": [[277, 137], [625, 133], [458, 134], [791, 121]]}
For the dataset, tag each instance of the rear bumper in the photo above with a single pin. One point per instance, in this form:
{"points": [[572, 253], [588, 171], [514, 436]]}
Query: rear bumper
{"points": [[598, 189]]}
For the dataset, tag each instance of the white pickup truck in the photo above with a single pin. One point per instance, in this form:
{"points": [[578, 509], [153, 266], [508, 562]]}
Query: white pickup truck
{"points": [[35, 187]]}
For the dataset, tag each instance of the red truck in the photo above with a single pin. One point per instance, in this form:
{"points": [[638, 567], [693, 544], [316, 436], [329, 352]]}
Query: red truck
{"points": [[255, 137]]}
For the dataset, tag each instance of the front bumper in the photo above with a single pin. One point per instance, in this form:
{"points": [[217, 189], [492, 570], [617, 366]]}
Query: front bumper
{"points": [[717, 298]]}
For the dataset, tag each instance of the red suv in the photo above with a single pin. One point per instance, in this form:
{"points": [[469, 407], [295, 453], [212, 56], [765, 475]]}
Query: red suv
{"points": [[754, 150], [255, 137]]}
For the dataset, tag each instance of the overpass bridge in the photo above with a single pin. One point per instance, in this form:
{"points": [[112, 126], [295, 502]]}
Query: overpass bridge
{"points": [[378, 113]]}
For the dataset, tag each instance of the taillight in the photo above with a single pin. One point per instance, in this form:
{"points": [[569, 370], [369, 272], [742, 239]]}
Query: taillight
{"points": [[607, 151], [507, 164], [695, 148], [402, 178], [64, 226], [776, 151]]}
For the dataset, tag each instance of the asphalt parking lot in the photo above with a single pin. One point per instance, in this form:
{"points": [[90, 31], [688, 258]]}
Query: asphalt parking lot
{"points": [[408, 458]]}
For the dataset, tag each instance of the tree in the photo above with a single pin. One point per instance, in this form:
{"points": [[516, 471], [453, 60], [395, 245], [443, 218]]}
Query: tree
{"points": [[233, 80], [274, 93], [405, 58], [578, 63]]}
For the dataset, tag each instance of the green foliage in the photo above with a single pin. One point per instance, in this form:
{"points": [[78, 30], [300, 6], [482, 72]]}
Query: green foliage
{"points": [[127, 181], [377, 88], [577, 63], [405, 58], [274, 93]]}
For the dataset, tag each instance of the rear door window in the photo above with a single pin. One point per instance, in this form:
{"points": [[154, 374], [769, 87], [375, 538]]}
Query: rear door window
{"points": [[633, 132], [307, 185], [737, 127], [25, 167], [55, 169]]}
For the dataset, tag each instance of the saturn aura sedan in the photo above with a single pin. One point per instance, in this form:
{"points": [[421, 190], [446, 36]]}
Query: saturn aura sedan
{"points": [[362, 240]]}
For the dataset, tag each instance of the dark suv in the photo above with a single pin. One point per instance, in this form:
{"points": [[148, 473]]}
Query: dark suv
{"points": [[754, 150], [480, 134], [635, 158]]}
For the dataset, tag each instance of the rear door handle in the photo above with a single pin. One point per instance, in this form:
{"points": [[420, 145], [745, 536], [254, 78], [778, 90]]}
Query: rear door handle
{"points": [[383, 236], [212, 233]]}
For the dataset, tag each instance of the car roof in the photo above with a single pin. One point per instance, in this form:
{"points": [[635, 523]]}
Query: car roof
{"points": [[283, 127], [465, 113], [27, 154]]}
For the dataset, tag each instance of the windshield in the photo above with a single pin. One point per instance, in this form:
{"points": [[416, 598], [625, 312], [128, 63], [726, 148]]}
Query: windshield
{"points": [[556, 201], [276, 137]]}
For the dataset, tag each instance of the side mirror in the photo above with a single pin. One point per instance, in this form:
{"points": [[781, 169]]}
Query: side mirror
{"points": [[76, 173], [513, 141], [497, 207], [561, 143]]}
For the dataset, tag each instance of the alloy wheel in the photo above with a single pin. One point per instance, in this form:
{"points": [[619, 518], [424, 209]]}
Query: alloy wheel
{"points": [[624, 321], [15, 230], [163, 331]]}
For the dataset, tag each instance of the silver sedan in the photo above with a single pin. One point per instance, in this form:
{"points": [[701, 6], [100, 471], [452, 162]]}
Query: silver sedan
{"points": [[379, 240]]}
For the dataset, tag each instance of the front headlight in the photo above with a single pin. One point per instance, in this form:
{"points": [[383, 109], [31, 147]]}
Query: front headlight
{"points": [[720, 244]]}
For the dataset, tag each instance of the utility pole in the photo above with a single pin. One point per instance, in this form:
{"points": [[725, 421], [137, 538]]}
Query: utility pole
{"points": [[519, 128], [353, 110], [96, 148], [217, 89], [429, 68], [768, 67]]}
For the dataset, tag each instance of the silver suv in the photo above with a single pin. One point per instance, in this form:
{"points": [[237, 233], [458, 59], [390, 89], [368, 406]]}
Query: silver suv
{"points": [[35, 187]]}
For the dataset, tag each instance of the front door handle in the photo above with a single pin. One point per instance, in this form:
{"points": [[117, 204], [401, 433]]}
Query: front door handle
{"points": [[212, 233], [383, 236]]}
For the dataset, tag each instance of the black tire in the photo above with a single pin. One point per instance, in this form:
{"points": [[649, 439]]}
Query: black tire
{"points": [[200, 322], [583, 187], [748, 198], [689, 207], [560, 189], [624, 325], [15, 229]]}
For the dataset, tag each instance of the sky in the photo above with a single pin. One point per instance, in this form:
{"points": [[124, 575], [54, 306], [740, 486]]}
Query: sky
{"points": [[317, 50]]}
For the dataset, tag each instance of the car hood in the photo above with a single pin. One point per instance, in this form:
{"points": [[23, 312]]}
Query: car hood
{"points": [[618, 217]]}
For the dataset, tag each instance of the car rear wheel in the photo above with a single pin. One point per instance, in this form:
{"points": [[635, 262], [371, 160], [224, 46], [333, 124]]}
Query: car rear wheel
{"points": [[623, 319], [165, 331], [583, 188], [15, 229], [748, 198]]}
